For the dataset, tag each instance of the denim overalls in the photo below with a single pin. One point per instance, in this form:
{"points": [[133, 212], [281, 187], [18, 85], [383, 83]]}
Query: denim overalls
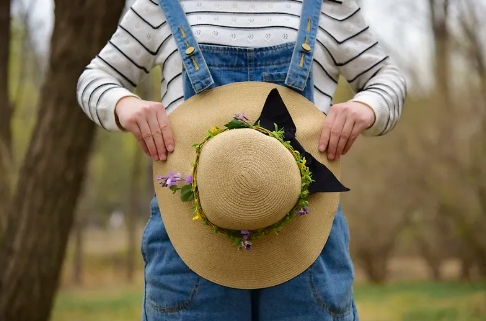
{"points": [[172, 290]]}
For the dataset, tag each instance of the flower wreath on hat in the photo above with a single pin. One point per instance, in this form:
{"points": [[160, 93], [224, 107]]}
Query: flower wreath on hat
{"points": [[274, 121]]}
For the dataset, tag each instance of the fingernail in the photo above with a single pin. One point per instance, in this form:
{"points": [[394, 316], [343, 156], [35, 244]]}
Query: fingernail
{"points": [[162, 157], [170, 148], [322, 148], [330, 156]]}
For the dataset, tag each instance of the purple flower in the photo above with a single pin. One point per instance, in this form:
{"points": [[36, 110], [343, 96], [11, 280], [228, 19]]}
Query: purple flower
{"points": [[246, 234], [170, 180], [302, 212], [242, 117], [189, 179], [246, 245]]}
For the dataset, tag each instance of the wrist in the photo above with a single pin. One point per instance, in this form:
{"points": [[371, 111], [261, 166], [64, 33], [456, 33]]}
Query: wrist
{"points": [[372, 114], [121, 103]]}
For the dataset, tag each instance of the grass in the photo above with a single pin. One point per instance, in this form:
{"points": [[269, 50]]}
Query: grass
{"points": [[112, 304], [422, 302], [105, 298], [397, 302]]}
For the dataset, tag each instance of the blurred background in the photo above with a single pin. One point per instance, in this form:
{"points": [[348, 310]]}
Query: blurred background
{"points": [[70, 234]]}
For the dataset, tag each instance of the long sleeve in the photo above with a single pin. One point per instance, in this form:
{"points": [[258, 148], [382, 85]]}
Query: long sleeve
{"points": [[370, 72], [120, 66], [143, 40]]}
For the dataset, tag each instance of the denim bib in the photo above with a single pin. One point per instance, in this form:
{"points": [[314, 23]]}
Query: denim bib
{"points": [[172, 290]]}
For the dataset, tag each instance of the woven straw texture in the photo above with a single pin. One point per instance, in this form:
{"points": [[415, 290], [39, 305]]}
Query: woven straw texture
{"points": [[247, 180], [273, 259]]}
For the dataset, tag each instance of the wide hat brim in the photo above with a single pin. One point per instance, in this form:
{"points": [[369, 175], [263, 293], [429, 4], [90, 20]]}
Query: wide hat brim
{"points": [[274, 259]]}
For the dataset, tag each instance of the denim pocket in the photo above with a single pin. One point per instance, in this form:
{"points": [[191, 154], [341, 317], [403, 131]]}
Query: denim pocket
{"points": [[170, 286], [275, 77], [279, 77], [331, 298], [331, 276]]}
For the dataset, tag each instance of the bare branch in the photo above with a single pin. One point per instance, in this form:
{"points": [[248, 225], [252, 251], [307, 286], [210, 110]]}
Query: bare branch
{"points": [[5, 113], [27, 54]]}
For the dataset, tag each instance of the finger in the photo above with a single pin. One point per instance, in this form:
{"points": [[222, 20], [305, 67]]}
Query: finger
{"points": [[157, 135], [144, 147], [344, 137], [326, 131], [135, 130], [142, 144], [352, 138], [336, 130], [166, 129], [147, 137]]}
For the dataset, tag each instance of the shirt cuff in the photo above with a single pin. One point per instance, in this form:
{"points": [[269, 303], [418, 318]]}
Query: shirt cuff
{"points": [[106, 108], [379, 106]]}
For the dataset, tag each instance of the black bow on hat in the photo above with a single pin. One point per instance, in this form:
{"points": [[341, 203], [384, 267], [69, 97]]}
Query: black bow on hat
{"points": [[276, 113]]}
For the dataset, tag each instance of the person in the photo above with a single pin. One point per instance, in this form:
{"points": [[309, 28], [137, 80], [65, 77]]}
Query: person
{"points": [[303, 45]]}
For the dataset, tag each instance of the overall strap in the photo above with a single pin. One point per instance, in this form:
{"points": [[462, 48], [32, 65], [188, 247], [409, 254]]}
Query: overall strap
{"points": [[303, 54], [192, 58]]}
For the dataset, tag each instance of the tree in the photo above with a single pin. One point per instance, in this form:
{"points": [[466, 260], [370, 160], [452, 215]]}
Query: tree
{"points": [[40, 214], [458, 178], [378, 216], [463, 129], [5, 111]]}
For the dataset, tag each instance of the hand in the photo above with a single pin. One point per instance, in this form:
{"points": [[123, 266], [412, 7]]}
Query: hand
{"points": [[148, 122], [342, 126]]}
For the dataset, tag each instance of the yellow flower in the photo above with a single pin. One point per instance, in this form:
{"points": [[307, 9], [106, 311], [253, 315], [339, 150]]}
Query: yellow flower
{"points": [[215, 130], [195, 218], [302, 164]]}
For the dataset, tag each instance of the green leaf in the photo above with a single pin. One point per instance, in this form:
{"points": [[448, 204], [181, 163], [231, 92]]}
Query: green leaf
{"points": [[235, 123], [174, 188], [186, 193], [236, 241]]}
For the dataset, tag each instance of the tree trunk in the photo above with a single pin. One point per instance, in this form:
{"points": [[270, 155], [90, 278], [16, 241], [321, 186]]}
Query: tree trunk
{"points": [[433, 260], [431, 237], [375, 265], [78, 254], [5, 112], [481, 262], [40, 215], [439, 12], [466, 266], [133, 208]]}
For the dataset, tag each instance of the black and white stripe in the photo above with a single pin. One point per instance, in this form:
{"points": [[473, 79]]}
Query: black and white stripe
{"points": [[344, 46]]}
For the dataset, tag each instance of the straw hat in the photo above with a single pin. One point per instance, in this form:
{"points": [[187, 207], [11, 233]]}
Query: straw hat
{"points": [[247, 200]]}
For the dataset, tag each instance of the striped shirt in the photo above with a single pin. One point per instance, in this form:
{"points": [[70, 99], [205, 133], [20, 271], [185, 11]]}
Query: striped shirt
{"points": [[345, 46]]}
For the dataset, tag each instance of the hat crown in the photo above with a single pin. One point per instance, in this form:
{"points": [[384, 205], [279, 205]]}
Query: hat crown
{"points": [[247, 180]]}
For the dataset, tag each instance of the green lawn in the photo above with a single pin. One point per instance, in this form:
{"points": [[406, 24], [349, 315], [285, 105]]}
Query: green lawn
{"points": [[422, 302], [398, 302]]}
